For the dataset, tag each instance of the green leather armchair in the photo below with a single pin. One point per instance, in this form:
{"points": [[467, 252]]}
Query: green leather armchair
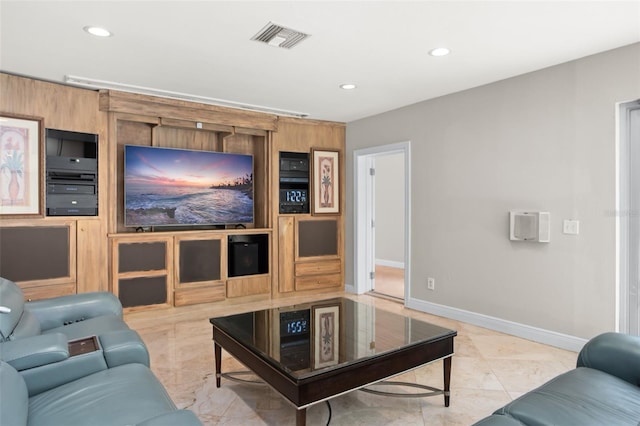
{"points": [[603, 389], [124, 395], [36, 338]]}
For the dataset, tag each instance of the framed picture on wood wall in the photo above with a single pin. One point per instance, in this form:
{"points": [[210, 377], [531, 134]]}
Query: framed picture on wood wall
{"points": [[325, 182], [21, 174]]}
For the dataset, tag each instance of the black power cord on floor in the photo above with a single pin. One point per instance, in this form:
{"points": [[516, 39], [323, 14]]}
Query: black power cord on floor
{"points": [[329, 407]]}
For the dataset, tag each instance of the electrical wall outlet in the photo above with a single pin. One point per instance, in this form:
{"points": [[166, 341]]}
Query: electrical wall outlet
{"points": [[431, 283], [571, 227]]}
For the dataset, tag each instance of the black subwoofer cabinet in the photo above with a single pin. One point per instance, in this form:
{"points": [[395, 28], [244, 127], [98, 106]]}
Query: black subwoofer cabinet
{"points": [[248, 254]]}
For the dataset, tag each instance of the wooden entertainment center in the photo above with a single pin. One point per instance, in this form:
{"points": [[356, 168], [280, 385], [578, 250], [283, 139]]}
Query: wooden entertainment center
{"points": [[180, 265]]}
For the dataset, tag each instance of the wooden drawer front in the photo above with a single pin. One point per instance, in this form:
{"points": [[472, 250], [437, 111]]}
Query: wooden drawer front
{"points": [[317, 281], [201, 294], [238, 287], [48, 291], [314, 268]]}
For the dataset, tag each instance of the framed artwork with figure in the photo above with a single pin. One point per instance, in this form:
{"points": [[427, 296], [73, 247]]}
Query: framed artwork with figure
{"points": [[21, 175], [325, 182], [326, 336]]}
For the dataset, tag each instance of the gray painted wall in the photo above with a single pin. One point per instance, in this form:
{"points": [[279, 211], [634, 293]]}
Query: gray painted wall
{"points": [[541, 141], [389, 208]]}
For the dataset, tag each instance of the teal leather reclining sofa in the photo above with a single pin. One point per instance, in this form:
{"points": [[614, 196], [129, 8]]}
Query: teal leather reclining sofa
{"points": [[72, 360], [604, 389]]}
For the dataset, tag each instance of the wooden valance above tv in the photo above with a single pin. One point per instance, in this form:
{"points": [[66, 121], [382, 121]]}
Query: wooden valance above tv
{"points": [[185, 111]]}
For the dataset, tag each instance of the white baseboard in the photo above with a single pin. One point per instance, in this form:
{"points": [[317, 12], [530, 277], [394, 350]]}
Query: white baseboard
{"points": [[528, 332], [390, 263]]}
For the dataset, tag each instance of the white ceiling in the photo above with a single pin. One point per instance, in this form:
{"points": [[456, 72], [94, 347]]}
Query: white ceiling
{"points": [[204, 48]]}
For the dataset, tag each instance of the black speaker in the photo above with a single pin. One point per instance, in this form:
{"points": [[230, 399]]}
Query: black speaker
{"points": [[243, 259], [248, 255]]}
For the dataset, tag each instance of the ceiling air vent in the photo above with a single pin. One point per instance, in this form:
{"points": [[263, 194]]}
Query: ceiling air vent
{"points": [[275, 35]]}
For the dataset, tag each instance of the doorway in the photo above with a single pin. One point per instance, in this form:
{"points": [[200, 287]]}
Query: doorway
{"points": [[628, 218], [382, 216]]}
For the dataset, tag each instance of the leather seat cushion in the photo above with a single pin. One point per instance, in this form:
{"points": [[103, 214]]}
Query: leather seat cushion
{"points": [[126, 394], [583, 396], [90, 327]]}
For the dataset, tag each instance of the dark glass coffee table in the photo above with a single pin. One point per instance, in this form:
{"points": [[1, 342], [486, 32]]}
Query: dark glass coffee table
{"points": [[312, 352]]}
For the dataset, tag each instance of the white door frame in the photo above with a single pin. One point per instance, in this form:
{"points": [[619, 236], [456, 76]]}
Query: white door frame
{"points": [[626, 291], [364, 261]]}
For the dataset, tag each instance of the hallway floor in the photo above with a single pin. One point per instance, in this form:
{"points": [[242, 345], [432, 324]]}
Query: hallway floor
{"points": [[389, 281]]}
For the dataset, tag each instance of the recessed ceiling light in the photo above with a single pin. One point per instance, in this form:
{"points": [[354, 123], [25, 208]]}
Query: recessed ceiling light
{"points": [[97, 31], [348, 86], [439, 51]]}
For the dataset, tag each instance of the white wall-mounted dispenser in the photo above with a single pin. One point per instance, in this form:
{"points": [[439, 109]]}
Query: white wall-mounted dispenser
{"points": [[530, 226]]}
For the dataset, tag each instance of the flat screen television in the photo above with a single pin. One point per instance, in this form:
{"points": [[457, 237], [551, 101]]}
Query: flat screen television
{"points": [[174, 187]]}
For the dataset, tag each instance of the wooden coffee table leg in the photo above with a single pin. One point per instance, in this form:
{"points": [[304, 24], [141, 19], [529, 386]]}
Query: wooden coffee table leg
{"points": [[218, 354], [301, 417], [447, 380]]}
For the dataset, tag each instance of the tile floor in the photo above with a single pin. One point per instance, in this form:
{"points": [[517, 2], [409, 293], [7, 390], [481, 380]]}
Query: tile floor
{"points": [[489, 369]]}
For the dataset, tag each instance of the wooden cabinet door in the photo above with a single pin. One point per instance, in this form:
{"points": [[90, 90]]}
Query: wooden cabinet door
{"points": [[142, 271], [200, 269]]}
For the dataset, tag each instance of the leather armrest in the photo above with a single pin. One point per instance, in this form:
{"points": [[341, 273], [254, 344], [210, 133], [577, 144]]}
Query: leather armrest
{"points": [[49, 376], [59, 311], [123, 347], [178, 417], [35, 351], [614, 353]]}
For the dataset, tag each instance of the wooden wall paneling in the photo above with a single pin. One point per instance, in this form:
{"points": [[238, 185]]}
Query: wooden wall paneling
{"points": [[121, 118], [103, 181], [92, 256], [113, 181], [262, 174], [255, 145], [174, 137], [238, 143], [134, 132], [252, 132], [191, 124], [273, 150], [301, 135], [261, 179], [270, 199], [73, 109], [208, 140], [286, 245], [272, 190], [305, 273], [126, 132], [62, 107]]}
